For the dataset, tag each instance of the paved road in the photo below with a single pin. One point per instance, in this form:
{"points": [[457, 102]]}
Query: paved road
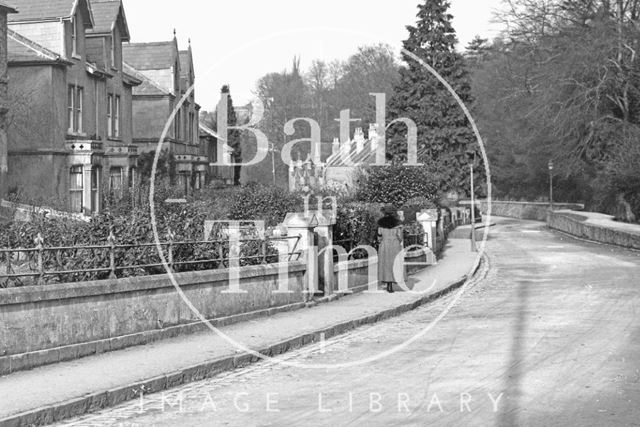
{"points": [[550, 337]]}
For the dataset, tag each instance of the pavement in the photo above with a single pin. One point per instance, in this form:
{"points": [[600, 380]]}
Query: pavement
{"points": [[55, 392], [550, 337]]}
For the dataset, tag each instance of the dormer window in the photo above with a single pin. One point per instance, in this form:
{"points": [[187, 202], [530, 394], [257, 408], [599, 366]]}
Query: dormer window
{"points": [[74, 36]]}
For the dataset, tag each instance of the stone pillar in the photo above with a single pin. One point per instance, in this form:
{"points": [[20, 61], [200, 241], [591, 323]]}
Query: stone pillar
{"points": [[429, 220], [300, 225], [324, 230]]}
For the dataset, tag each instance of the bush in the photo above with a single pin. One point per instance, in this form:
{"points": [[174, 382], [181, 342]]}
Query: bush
{"points": [[357, 223], [257, 202], [396, 184]]}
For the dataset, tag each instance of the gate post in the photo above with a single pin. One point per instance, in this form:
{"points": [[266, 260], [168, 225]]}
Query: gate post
{"points": [[302, 225], [324, 230]]}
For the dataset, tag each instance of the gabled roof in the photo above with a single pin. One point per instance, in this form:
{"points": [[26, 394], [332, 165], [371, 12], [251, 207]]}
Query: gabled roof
{"points": [[185, 63], [7, 7], [348, 155], [48, 10], [21, 49], [151, 56], [147, 86], [107, 14]]}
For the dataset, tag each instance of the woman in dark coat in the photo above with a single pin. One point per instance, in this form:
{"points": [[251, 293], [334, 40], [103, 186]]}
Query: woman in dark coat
{"points": [[391, 243]]}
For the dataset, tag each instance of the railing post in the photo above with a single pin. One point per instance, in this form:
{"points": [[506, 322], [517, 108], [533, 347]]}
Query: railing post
{"points": [[39, 241], [112, 255], [170, 237], [264, 251]]}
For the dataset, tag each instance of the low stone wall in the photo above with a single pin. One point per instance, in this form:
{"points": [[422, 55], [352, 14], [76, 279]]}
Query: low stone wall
{"points": [[577, 225], [47, 324], [523, 210], [358, 270]]}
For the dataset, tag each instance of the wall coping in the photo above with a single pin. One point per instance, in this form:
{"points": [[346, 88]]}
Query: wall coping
{"points": [[60, 291], [468, 202]]}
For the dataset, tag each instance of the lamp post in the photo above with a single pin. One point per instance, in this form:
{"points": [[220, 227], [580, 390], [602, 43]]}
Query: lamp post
{"points": [[273, 150], [472, 161], [550, 184]]}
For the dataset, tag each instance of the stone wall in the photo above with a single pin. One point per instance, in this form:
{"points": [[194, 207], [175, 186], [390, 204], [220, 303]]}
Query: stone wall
{"points": [[577, 225], [523, 210], [47, 324]]}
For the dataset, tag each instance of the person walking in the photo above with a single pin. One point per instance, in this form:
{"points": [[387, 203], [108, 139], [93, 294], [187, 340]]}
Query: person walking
{"points": [[391, 243]]}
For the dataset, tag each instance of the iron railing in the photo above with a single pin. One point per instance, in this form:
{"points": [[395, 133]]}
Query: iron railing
{"points": [[349, 244], [42, 265]]}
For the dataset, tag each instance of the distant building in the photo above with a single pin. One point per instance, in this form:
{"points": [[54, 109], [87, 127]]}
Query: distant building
{"points": [[70, 133], [167, 74], [339, 169], [4, 104], [209, 141]]}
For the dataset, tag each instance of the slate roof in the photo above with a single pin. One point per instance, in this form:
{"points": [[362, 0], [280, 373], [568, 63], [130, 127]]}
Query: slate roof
{"points": [[105, 15], [43, 10], [147, 85], [22, 49], [150, 56], [348, 155]]}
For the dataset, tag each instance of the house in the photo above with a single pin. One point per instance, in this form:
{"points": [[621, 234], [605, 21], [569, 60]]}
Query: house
{"points": [[209, 143], [165, 96], [70, 133], [4, 104], [339, 169]]}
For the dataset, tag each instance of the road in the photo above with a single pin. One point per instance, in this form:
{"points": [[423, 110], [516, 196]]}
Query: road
{"points": [[550, 337]]}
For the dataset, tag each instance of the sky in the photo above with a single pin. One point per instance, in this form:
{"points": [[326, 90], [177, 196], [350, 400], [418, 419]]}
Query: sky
{"points": [[236, 42]]}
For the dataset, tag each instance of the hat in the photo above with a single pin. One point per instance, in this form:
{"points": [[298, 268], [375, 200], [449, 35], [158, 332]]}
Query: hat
{"points": [[389, 210]]}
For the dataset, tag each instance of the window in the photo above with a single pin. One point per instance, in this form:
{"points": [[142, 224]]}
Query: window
{"points": [[74, 36], [113, 49], [200, 180], [76, 189], [132, 178], [116, 180], [109, 116], [191, 121], [75, 99], [95, 189], [177, 125], [116, 118], [183, 182]]}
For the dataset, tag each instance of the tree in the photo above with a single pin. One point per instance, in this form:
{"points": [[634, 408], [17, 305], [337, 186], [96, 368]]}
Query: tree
{"points": [[444, 134], [285, 97], [563, 85], [234, 136]]}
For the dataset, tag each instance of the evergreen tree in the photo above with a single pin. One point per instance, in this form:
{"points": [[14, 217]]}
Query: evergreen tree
{"points": [[444, 133], [234, 137]]}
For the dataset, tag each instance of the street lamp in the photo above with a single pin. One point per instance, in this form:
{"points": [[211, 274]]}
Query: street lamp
{"points": [[551, 184], [273, 150], [472, 161]]}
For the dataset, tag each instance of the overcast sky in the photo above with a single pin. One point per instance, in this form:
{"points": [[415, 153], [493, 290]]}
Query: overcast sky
{"points": [[238, 41]]}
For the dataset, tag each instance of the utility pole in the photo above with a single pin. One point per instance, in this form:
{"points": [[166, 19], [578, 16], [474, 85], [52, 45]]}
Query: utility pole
{"points": [[474, 247]]}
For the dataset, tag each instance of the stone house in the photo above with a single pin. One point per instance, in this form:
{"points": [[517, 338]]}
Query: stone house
{"points": [[167, 74], [4, 104], [70, 133]]}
